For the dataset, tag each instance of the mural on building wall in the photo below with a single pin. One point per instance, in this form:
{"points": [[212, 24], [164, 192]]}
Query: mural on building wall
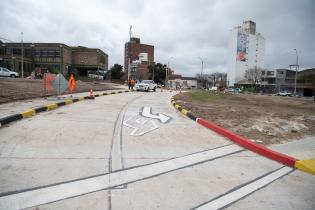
{"points": [[241, 46]]}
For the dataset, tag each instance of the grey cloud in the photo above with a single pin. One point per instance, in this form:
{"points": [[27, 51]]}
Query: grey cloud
{"points": [[182, 29]]}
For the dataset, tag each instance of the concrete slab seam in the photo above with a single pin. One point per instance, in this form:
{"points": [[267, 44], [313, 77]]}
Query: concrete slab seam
{"points": [[114, 171], [218, 156], [216, 204]]}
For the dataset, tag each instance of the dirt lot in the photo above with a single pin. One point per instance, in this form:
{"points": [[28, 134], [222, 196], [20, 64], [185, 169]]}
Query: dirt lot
{"points": [[264, 119], [12, 89]]}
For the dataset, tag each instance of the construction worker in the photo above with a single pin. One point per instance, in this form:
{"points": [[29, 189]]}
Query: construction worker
{"points": [[132, 83]]}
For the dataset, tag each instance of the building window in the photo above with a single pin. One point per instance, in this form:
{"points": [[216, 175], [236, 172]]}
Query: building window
{"points": [[51, 53], [57, 53], [270, 73], [37, 53], [16, 51], [280, 72], [27, 52], [262, 72], [9, 51], [44, 53]]}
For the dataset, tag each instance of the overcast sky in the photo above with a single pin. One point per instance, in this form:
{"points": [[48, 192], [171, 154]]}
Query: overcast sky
{"points": [[182, 29]]}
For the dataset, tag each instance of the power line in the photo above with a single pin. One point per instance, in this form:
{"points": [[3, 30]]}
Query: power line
{"points": [[7, 40]]}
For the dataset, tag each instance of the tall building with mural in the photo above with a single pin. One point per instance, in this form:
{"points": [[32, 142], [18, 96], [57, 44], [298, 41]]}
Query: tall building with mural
{"points": [[246, 51]]}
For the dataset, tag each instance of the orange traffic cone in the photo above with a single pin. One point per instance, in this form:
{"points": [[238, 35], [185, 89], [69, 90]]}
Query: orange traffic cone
{"points": [[91, 95]]}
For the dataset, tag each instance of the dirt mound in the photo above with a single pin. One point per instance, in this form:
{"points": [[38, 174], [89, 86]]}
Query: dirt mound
{"points": [[264, 119], [12, 89]]}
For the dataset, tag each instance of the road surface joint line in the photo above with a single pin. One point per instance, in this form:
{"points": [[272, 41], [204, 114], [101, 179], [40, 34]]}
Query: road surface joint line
{"points": [[244, 142], [239, 192], [115, 146], [65, 182], [48, 107], [54, 193]]}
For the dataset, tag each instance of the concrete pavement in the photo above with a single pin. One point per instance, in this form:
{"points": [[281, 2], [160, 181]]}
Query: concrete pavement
{"points": [[95, 141]]}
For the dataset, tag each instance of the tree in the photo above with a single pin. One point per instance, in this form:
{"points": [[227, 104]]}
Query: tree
{"points": [[216, 79], [116, 71], [202, 80], [254, 75], [159, 72]]}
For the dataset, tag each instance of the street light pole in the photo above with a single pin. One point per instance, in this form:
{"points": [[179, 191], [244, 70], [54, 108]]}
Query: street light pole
{"points": [[201, 70], [22, 56], [201, 66], [296, 69], [152, 71], [166, 73], [128, 69]]}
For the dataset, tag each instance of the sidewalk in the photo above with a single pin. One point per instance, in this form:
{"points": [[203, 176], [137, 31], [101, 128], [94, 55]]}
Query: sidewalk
{"points": [[19, 106], [301, 149]]}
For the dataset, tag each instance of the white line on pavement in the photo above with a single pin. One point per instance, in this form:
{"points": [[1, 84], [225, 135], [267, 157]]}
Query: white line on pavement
{"points": [[67, 190], [235, 195]]}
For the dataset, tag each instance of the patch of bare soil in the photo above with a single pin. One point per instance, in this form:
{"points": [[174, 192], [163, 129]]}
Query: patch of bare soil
{"points": [[12, 89], [263, 119]]}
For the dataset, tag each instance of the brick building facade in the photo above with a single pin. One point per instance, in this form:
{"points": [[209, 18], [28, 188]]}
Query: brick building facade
{"points": [[132, 50], [52, 57]]}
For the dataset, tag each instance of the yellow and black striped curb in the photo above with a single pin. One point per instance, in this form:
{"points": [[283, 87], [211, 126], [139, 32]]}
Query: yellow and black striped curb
{"points": [[31, 112], [303, 165], [182, 110]]}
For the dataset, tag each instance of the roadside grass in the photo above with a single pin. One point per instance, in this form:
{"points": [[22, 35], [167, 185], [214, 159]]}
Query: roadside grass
{"points": [[203, 96]]}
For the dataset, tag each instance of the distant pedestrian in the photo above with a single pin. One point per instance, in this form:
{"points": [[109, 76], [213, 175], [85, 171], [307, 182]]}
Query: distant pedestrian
{"points": [[129, 84], [132, 83]]}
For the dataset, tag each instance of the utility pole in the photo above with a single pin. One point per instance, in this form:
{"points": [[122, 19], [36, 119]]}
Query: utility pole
{"points": [[128, 69], [201, 73], [152, 72], [166, 73], [296, 69], [130, 32], [201, 66], [22, 56]]}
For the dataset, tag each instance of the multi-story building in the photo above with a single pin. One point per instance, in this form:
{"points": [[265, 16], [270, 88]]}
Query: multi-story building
{"points": [[285, 81], [273, 81], [268, 81], [52, 57], [137, 58], [246, 51]]}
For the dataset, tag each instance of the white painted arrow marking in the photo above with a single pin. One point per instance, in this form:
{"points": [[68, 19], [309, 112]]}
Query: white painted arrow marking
{"points": [[135, 132], [147, 112]]}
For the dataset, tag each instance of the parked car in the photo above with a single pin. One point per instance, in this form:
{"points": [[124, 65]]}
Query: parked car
{"points": [[7, 73], [96, 74], [284, 93], [214, 88], [146, 85]]}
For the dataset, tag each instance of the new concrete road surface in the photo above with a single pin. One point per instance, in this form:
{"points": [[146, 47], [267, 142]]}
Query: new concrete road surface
{"points": [[135, 151]]}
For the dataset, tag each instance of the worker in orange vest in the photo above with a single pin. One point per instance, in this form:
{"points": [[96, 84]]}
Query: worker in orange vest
{"points": [[71, 83], [132, 82]]}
